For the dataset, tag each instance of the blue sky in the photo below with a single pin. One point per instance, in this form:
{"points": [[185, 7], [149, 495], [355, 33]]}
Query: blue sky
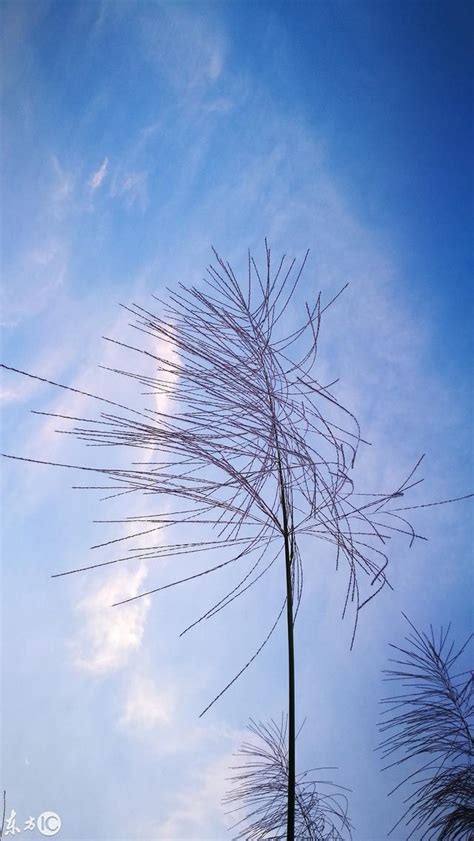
{"points": [[134, 137]]}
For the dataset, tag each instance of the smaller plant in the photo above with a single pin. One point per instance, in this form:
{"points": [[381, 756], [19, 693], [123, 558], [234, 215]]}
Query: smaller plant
{"points": [[260, 789], [430, 720]]}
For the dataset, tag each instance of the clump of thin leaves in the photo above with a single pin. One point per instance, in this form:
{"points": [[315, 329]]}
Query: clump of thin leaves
{"points": [[259, 789], [253, 448], [430, 721]]}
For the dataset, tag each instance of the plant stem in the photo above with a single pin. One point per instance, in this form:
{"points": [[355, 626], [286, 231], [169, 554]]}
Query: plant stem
{"points": [[290, 827], [288, 546]]}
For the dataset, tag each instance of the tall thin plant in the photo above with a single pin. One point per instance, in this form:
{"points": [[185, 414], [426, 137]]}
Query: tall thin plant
{"points": [[256, 451]]}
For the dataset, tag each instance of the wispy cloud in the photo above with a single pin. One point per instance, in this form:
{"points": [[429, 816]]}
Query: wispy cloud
{"points": [[186, 47], [219, 105], [51, 361], [147, 706], [34, 280], [132, 187], [196, 808], [98, 177], [63, 185], [109, 636], [215, 62]]}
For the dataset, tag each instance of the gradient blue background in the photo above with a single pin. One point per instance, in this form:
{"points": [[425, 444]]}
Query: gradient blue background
{"points": [[134, 137]]}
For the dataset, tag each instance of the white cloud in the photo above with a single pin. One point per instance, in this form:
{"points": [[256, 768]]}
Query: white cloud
{"points": [[147, 706], [45, 443], [215, 62], [219, 105], [32, 283], [37, 261], [188, 48], [133, 188], [51, 361], [64, 183], [16, 392], [197, 812], [46, 253], [98, 177], [108, 636]]}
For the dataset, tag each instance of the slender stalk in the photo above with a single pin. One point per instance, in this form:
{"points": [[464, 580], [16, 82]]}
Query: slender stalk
{"points": [[290, 828], [287, 542], [288, 550], [4, 810]]}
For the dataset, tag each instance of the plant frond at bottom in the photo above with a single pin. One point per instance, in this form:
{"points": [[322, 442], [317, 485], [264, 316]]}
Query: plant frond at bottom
{"points": [[451, 794], [430, 719], [259, 793]]}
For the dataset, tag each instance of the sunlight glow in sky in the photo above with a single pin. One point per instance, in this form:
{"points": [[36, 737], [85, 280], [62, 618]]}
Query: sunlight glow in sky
{"points": [[135, 136]]}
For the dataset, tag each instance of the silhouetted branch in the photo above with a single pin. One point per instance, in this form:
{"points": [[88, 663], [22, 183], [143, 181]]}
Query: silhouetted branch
{"points": [[430, 721]]}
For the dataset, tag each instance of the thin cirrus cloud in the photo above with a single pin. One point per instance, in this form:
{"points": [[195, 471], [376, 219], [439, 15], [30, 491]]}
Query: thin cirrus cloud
{"points": [[34, 280], [98, 177], [193, 812], [147, 705], [132, 188], [63, 186], [188, 49]]}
